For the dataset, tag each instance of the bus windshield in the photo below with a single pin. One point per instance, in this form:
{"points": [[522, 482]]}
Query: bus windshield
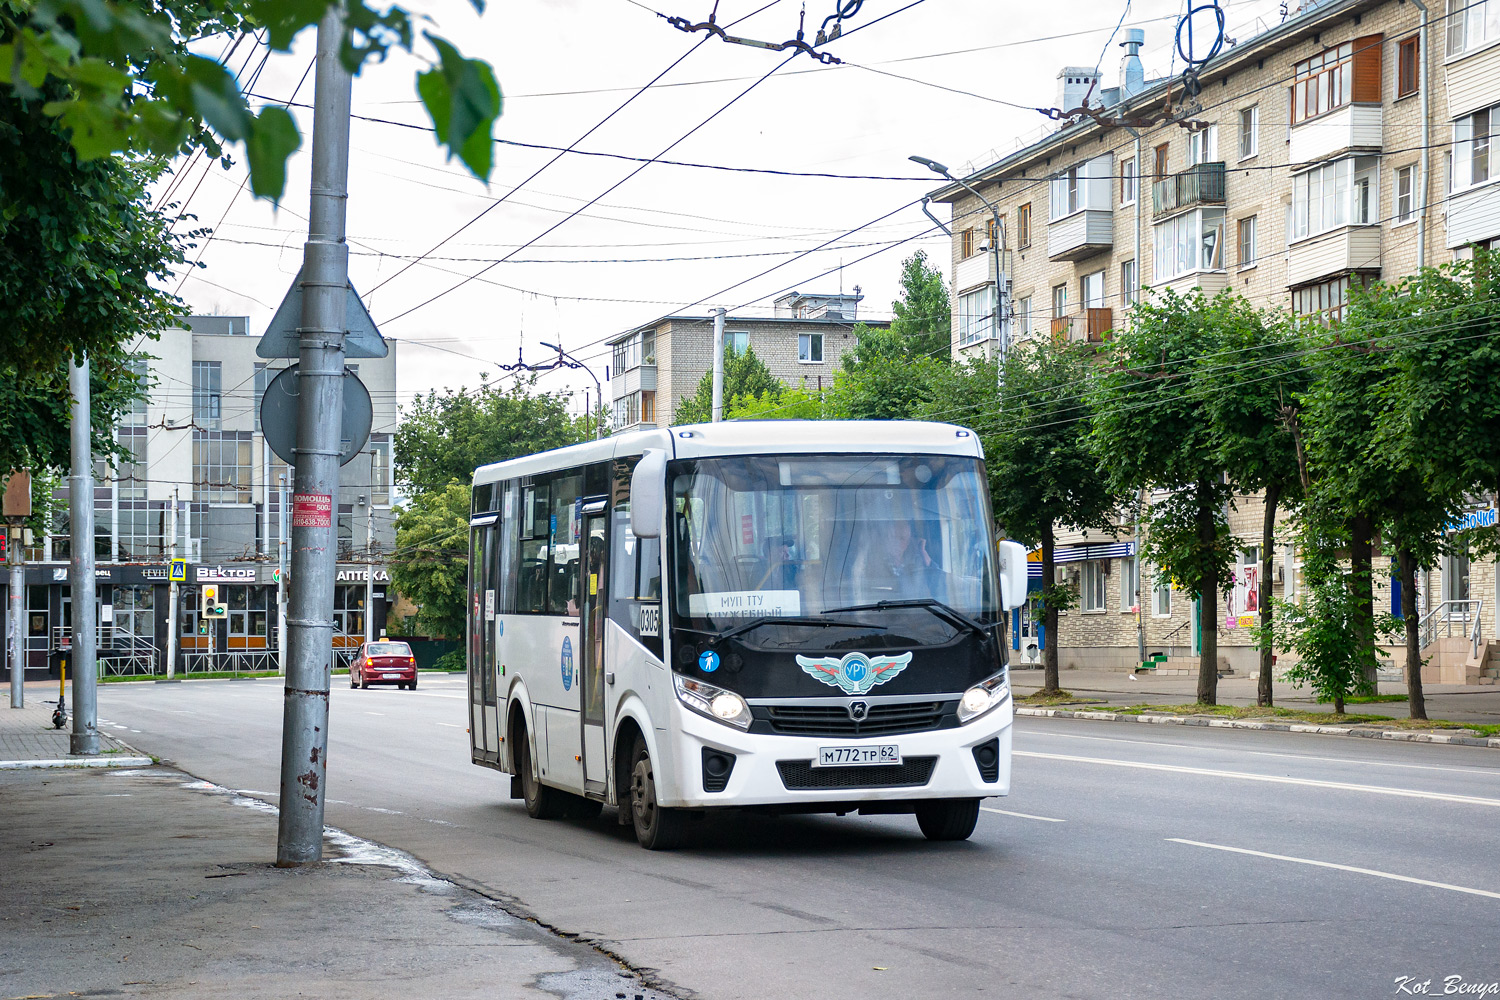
{"points": [[798, 536]]}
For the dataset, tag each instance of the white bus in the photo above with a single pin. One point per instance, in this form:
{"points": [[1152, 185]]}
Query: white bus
{"points": [[788, 616]]}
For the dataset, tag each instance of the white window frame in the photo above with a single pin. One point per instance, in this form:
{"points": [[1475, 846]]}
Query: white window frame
{"points": [[1084, 186], [1129, 282], [975, 315], [733, 337], [1060, 300], [1203, 146], [1022, 317], [1188, 243], [1092, 297], [1472, 27], [1130, 183], [1466, 146], [1249, 119], [1161, 594], [1404, 203], [1245, 263], [1093, 594], [1130, 582], [1340, 193], [805, 352]]}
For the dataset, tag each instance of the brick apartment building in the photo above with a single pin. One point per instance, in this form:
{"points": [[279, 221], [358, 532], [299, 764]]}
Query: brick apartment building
{"points": [[1348, 144]]}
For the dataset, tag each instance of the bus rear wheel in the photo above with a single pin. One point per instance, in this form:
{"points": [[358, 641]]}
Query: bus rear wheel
{"points": [[657, 828], [948, 819], [542, 802]]}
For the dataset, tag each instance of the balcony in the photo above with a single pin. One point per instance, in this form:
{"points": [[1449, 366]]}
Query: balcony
{"points": [[1474, 215], [1086, 232], [1199, 185], [1353, 126], [1093, 325], [1347, 248]]}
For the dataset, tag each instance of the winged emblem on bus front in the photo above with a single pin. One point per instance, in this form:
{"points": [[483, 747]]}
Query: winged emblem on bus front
{"points": [[853, 673]]}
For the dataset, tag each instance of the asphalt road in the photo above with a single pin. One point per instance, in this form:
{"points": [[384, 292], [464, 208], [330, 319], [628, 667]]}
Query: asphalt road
{"points": [[1126, 863]]}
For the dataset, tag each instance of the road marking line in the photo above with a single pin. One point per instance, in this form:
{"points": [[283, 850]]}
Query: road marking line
{"points": [[1410, 793], [1477, 769], [452, 725], [1007, 812], [1337, 867]]}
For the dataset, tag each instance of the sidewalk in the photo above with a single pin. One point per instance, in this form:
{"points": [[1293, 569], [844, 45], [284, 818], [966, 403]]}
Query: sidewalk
{"points": [[144, 882], [27, 738], [1456, 703]]}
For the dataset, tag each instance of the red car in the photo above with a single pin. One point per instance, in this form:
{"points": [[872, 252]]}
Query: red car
{"points": [[384, 662]]}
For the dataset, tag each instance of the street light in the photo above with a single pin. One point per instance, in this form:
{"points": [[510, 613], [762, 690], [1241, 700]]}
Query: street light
{"points": [[995, 242], [567, 360]]}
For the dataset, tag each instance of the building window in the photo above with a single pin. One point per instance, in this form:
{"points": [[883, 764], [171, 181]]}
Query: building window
{"points": [[966, 243], [648, 406], [736, 342], [1129, 283], [136, 416], [1023, 226], [1161, 594], [1322, 83], [1130, 583], [1091, 590], [1471, 26], [131, 476], [1408, 66], [1084, 186], [810, 347], [976, 315], [1129, 183], [221, 466], [995, 238], [1022, 318], [1342, 193], [1247, 242], [648, 347], [1406, 194], [1161, 161], [1326, 300], [263, 376], [1203, 146], [208, 406], [380, 468], [1190, 242], [1249, 131], [1092, 288], [1471, 148], [1059, 301]]}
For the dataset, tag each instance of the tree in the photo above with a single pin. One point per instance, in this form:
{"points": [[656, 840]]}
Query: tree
{"points": [[1152, 430], [1251, 388], [1042, 473], [431, 570], [923, 320], [130, 82], [882, 378], [745, 375], [446, 436]]}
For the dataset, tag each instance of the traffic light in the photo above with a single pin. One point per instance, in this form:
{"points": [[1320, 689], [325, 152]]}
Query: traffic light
{"points": [[211, 608]]}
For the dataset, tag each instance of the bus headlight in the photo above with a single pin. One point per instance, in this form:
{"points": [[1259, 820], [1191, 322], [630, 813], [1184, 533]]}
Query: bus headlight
{"points": [[712, 701], [983, 697]]}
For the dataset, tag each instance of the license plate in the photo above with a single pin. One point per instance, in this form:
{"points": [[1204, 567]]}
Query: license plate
{"points": [[390, 677], [890, 753]]}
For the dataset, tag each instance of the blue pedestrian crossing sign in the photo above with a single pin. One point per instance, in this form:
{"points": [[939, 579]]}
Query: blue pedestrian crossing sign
{"points": [[179, 571]]}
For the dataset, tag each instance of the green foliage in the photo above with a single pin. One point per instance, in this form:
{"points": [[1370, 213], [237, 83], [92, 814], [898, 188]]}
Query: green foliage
{"points": [[923, 320], [881, 378], [432, 561], [746, 379], [121, 77], [792, 404], [446, 436]]}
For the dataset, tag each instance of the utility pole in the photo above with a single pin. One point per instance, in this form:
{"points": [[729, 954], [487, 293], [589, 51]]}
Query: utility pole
{"points": [[172, 613], [281, 547], [325, 280], [718, 406], [370, 556], [85, 737], [17, 508]]}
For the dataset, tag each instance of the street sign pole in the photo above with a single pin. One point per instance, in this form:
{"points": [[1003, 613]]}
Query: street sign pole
{"points": [[16, 645], [85, 737], [172, 612], [325, 270]]}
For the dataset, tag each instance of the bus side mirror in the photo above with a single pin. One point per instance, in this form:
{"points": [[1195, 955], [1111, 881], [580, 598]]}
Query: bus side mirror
{"points": [[1012, 575], [648, 494]]}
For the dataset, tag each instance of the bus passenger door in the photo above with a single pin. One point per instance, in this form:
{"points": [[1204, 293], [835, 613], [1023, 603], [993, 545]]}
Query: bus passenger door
{"points": [[593, 608]]}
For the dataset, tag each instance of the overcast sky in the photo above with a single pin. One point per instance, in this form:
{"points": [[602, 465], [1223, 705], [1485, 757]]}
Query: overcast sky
{"points": [[564, 65]]}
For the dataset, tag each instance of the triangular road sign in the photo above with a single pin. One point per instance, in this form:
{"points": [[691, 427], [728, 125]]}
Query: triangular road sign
{"points": [[281, 341]]}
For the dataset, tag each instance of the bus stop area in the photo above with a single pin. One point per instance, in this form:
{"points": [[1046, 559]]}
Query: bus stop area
{"points": [[144, 881]]}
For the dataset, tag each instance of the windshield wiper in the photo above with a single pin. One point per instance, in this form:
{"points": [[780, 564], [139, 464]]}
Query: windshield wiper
{"points": [[772, 619], [950, 615]]}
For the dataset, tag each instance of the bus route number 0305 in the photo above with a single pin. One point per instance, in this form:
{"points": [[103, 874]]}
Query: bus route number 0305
{"points": [[889, 753]]}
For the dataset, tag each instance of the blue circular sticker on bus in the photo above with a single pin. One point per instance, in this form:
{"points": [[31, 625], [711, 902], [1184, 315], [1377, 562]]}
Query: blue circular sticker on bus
{"points": [[708, 661], [567, 663]]}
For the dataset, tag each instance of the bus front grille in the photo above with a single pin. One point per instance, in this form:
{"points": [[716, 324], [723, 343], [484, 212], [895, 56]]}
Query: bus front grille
{"points": [[885, 719], [800, 775]]}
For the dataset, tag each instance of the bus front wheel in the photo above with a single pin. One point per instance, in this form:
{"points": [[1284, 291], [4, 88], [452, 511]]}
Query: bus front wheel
{"points": [[948, 819], [656, 828], [542, 802]]}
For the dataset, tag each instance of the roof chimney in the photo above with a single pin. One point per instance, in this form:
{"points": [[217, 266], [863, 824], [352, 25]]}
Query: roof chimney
{"points": [[1132, 74], [1073, 83]]}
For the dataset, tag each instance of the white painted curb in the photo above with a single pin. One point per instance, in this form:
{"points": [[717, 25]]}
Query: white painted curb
{"points": [[1405, 736], [111, 761]]}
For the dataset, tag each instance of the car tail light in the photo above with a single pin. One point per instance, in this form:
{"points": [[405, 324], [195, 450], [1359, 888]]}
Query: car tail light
{"points": [[411, 661], [369, 662]]}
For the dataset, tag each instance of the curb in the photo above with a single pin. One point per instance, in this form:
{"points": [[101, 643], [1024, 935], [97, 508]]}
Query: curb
{"points": [[112, 761], [1401, 735]]}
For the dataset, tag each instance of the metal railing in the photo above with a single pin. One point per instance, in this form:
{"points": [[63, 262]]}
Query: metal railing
{"points": [[1440, 621], [231, 661], [1199, 185]]}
